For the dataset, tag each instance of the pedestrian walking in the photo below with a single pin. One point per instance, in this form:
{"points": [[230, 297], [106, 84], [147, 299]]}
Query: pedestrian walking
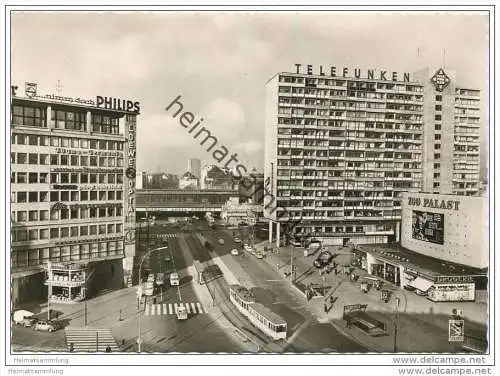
{"points": [[108, 349]]}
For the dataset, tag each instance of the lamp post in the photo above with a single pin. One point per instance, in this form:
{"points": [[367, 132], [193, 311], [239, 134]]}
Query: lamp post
{"points": [[139, 341], [396, 317]]}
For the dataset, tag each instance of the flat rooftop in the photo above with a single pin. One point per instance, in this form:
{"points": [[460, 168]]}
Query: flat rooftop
{"points": [[396, 254]]}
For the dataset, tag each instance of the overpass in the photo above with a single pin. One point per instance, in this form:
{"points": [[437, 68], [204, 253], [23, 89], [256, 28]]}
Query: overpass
{"points": [[179, 201]]}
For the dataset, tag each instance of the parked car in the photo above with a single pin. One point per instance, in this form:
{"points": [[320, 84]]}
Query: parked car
{"points": [[237, 240], [46, 326], [221, 241], [160, 278], [259, 255], [174, 279], [323, 259], [24, 318], [234, 252]]}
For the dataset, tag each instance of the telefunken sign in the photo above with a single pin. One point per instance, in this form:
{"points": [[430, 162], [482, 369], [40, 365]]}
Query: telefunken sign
{"points": [[434, 203], [370, 74]]}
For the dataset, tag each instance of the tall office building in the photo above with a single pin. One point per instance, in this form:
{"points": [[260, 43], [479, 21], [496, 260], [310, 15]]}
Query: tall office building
{"points": [[73, 171], [194, 167], [451, 134], [343, 145]]}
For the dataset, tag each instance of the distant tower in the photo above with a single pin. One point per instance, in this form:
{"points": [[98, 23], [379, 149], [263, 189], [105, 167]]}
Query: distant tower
{"points": [[194, 167]]}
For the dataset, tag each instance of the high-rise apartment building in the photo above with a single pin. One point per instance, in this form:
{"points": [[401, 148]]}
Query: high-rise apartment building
{"points": [[73, 174], [342, 146], [451, 134]]}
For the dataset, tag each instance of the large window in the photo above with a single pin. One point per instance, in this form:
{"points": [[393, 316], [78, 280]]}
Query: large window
{"points": [[28, 116], [104, 124], [69, 120]]}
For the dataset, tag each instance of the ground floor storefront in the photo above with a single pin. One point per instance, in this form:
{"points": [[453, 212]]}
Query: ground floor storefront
{"points": [[67, 282], [425, 276]]}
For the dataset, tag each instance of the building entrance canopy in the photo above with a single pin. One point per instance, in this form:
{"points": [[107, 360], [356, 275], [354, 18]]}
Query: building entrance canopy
{"points": [[421, 284]]}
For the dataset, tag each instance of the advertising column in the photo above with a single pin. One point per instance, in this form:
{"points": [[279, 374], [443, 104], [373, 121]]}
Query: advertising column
{"points": [[129, 196]]}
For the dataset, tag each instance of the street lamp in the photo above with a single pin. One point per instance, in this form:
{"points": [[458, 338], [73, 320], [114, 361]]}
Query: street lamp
{"points": [[396, 317], [139, 288]]}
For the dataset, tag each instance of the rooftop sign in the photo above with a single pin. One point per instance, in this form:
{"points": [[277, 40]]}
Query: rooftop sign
{"points": [[370, 74]]}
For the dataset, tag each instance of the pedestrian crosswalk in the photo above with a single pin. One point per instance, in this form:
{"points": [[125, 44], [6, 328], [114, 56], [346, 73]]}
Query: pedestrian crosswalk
{"points": [[88, 339], [170, 308], [166, 236]]}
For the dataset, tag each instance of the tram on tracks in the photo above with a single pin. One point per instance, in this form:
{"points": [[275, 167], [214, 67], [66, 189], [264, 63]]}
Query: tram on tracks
{"points": [[259, 315]]}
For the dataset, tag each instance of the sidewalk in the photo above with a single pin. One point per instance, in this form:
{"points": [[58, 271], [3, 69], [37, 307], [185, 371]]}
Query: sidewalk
{"points": [[422, 324]]}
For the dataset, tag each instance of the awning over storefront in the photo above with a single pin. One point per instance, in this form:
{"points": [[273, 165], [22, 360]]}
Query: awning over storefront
{"points": [[421, 284]]}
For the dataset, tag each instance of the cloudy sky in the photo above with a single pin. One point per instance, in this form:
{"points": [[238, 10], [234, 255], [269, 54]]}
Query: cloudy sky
{"points": [[219, 63]]}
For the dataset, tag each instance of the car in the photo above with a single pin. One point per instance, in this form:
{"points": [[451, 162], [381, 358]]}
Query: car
{"points": [[259, 255], [237, 240], [22, 317], [46, 326], [242, 224], [159, 279], [234, 252], [174, 279], [221, 241], [323, 259]]}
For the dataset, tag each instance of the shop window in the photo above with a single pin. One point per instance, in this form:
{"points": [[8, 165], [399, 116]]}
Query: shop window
{"points": [[33, 177], [84, 178], [44, 215], [70, 120], [33, 215], [93, 230], [84, 195], [84, 230], [32, 196], [33, 235], [21, 196], [44, 234], [54, 233], [44, 177], [33, 140], [43, 159], [22, 158], [21, 177], [22, 216], [64, 195], [33, 158], [29, 116], [44, 196], [54, 196]]}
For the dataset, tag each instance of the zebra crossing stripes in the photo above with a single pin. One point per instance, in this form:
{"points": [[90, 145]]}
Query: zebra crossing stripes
{"points": [[170, 308], [166, 236], [89, 339]]}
